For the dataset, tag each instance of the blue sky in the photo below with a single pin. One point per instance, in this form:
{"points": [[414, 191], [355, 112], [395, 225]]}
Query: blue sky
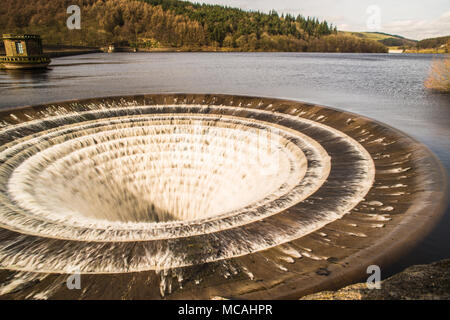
{"points": [[416, 19]]}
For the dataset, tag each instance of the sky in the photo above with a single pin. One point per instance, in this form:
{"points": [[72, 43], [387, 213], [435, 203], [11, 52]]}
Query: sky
{"points": [[414, 19]]}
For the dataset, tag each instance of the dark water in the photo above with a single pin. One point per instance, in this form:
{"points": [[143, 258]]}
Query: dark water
{"points": [[385, 87]]}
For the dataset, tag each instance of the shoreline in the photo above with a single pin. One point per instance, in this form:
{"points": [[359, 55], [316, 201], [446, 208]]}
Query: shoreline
{"points": [[230, 50], [67, 53], [416, 282]]}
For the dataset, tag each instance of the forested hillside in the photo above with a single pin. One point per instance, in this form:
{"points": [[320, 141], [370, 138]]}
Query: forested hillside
{"points": [[432, 45], [175, 24], [389, 40], [434, 42]]}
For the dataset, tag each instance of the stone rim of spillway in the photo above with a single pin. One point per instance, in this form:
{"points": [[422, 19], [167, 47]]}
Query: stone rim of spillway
{"points": [[397, 185]]}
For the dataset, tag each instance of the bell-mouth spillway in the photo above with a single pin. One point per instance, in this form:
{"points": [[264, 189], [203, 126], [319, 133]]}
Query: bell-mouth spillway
{"points": [[195, 196]]}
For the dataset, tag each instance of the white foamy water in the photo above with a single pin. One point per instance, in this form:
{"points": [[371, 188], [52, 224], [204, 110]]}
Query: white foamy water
{"points": [[155, 170], [123, 173]]}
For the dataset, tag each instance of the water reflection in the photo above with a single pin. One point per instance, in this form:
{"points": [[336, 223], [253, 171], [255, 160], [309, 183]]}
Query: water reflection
{"points": [[18, 77]]}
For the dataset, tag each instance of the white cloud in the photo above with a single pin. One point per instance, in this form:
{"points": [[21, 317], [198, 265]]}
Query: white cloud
{"points": [[420, 29], [344, 27]]}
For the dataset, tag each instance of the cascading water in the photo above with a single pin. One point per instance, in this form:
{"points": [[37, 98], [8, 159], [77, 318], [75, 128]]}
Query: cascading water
{"points": [[169, 184], [153, 170]]}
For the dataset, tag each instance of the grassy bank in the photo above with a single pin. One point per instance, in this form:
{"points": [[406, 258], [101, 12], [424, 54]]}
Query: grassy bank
{"points": [[428, 51], [439, 78]]}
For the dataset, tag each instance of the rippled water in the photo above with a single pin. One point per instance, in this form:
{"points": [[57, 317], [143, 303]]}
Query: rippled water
{"points": [[388, 88]]}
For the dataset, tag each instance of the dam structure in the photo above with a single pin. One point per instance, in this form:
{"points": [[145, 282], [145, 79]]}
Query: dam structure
{"points": [[198, 196], [23, 52]]}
